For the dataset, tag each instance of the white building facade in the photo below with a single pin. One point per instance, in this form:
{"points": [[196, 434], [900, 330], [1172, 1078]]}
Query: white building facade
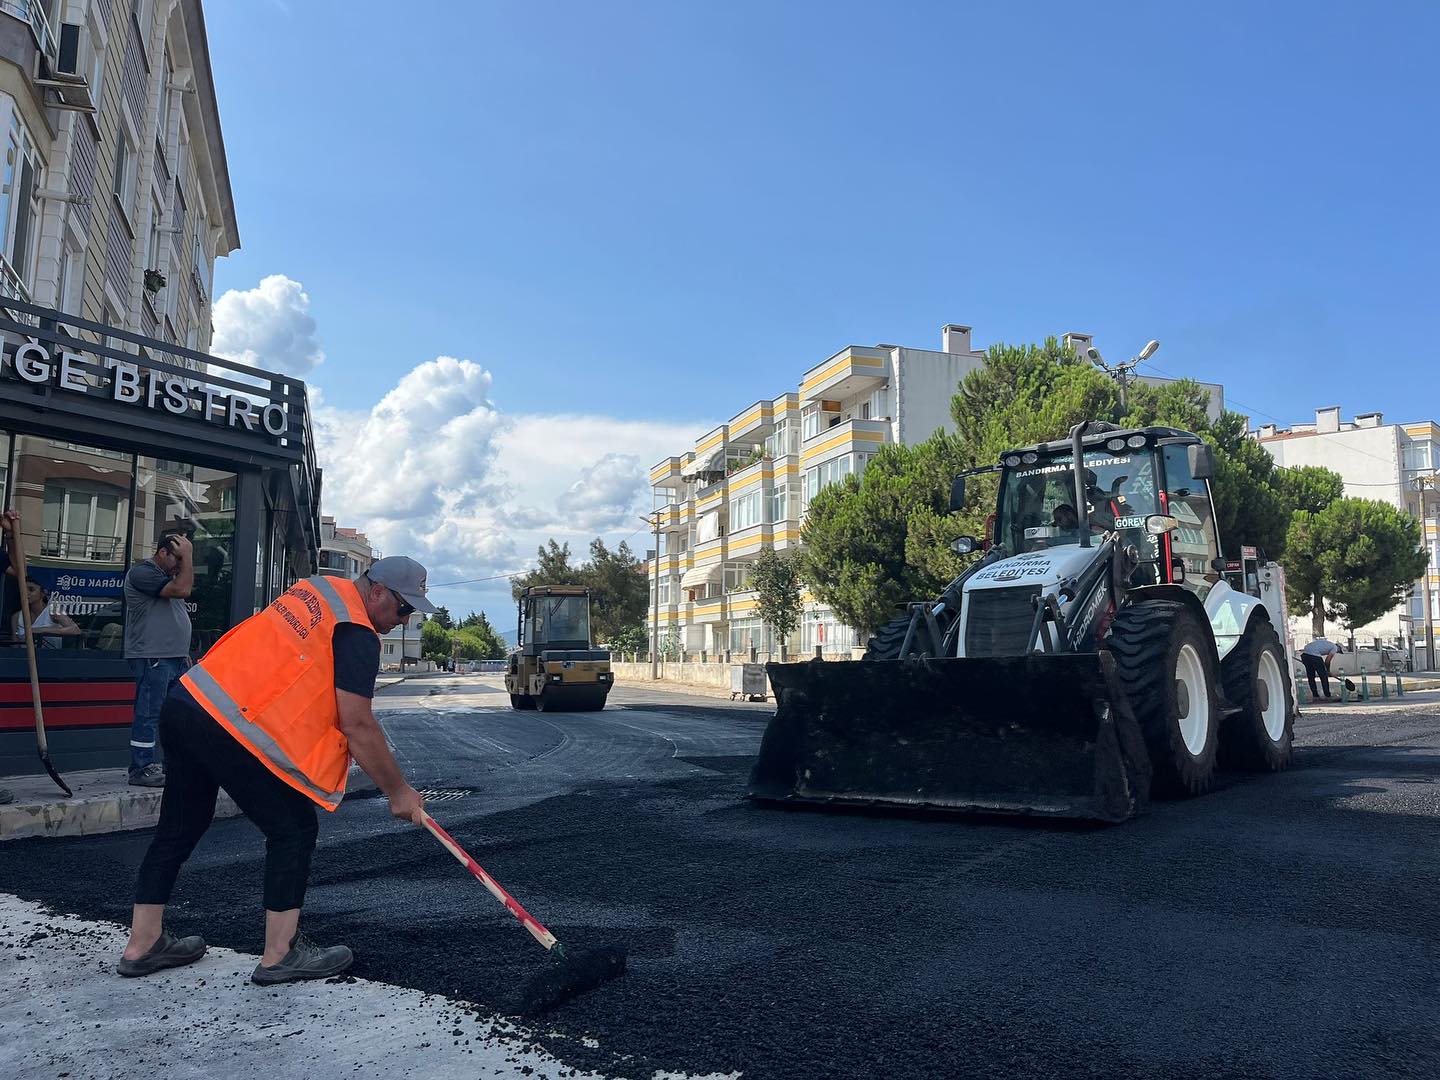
{"points": [[746, 485], [343, 552], [115, 200], [1393, 463]]}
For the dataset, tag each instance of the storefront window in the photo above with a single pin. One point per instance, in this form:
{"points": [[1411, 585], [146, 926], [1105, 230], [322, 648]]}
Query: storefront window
{"points": [[74, 504], [201, 502]]}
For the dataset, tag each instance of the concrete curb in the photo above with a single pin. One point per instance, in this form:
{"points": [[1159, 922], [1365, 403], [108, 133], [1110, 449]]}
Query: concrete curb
{"points": [[104, 802]]}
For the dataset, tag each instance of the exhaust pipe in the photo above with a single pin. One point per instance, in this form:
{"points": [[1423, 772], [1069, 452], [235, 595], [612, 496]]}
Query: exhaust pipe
{"points": [[1081, 511]]}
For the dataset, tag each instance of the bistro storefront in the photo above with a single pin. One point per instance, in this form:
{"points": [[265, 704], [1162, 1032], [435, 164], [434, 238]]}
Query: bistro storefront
{"points": [[107, 439]]}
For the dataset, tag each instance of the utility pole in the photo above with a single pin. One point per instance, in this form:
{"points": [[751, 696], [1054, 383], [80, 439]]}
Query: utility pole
{"points": [[1426, 486], [655, 603], [1121, 372]]}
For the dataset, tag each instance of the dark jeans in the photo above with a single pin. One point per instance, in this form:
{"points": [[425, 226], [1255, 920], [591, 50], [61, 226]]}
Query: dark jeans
{"points": [[153, 679], [1314, 665], [202, 757]]}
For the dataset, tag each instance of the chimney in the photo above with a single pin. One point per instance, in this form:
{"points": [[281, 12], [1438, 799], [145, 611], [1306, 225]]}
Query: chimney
{"points": [[1267, 431], [955, 338], [1327, 421], [1079, 342], [1369, 419]]}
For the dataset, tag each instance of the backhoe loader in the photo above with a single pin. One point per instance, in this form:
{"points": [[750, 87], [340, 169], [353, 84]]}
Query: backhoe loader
{"points": [[1094, 647]]}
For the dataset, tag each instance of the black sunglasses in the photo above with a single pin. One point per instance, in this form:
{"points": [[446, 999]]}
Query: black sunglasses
{"points": [[404, 610]]}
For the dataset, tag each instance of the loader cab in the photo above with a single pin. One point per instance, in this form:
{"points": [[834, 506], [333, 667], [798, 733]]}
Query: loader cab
{"points": [[1127, 477]]}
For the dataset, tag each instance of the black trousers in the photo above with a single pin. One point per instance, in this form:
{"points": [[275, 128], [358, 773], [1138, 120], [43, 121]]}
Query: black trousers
{"points": [[1315, 665], [201, 757]]}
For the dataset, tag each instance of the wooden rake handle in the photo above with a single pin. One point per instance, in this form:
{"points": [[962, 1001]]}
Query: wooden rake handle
{"points": [[538, 932]]}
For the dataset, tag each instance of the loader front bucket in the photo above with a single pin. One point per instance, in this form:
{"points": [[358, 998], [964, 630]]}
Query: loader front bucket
{"points": [[1047, 735]]}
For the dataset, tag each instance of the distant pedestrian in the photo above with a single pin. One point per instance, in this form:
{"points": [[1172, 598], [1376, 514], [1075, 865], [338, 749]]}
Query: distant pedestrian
{"points": [[157, 643], [1317, 658], [273, 713]]}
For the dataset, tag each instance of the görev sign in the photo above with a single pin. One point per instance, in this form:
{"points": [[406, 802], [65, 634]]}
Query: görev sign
{"points": [[134, 385]]}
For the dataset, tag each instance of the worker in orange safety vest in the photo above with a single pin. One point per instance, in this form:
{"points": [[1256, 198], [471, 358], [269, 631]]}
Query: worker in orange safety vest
{"points": [[273, 713]]}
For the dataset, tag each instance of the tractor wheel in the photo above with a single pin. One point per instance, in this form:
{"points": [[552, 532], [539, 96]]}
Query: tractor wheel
{"points": [[1167, 669], [885, 645], [1261, 735], [522, 701]]}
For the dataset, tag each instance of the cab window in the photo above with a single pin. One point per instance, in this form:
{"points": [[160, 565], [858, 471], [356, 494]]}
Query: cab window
{"points": [[1193, 544]]}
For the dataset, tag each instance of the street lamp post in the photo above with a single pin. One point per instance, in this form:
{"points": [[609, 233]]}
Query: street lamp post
{"points": [[655, 603], [1121, 372], [1426, 486]]}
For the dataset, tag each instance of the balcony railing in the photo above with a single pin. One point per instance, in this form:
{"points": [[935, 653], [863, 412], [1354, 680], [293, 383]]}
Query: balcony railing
{"points": [[70, 545], [11, 286]]}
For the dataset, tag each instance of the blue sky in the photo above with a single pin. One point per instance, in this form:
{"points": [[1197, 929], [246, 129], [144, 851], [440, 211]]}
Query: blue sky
{"points": [[659, 212]]}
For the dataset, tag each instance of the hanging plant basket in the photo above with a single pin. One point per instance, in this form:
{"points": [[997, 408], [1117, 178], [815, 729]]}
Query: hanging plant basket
{"points": [[154, 281]]}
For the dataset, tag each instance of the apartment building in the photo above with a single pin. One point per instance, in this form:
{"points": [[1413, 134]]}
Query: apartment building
{"points": [[1395, 463], [343, 552], [746, 484]]}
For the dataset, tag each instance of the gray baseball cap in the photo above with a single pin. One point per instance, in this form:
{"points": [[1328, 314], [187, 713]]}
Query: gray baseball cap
{"points": [[405, 576]]}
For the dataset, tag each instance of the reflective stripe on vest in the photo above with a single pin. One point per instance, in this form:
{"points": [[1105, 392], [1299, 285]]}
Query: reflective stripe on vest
{"points": [[326, 588], [257, 736]]}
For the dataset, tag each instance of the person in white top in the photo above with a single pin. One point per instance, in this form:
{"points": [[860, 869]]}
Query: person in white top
{"points": [[1317, 658], [49, 625]]}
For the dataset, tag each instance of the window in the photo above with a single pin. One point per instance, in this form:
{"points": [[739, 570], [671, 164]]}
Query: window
{"points": [[167, 76], [152, 243], [738, 577], [785, 440], [745, 511], [74, 503], [776, 506], [124, 180], [828, 472], [97, 56], [1188, 500], [19, 208]]}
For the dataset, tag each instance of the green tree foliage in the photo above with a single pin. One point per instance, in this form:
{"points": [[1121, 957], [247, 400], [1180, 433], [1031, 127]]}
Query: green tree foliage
{"points": [[777, 587], [436, 642], [856, 532], [552, 567], [631, 639], [1309, 487], [618, 589], [442, 616], [1352, 561], [479, 640]]}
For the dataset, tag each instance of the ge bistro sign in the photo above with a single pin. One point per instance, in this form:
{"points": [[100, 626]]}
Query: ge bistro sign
{"points": [[146, 388]]}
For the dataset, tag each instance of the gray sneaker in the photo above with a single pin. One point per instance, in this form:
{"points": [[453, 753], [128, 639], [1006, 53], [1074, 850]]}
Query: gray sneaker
{"points": [[153, 775], [167, 952], [305, 960]]}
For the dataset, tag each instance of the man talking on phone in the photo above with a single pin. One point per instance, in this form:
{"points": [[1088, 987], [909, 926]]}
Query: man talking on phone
{"points": [[157, 643]]}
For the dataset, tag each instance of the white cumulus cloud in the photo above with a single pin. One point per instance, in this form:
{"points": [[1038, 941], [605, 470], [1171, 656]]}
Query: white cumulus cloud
{"points": [[268, 326]]}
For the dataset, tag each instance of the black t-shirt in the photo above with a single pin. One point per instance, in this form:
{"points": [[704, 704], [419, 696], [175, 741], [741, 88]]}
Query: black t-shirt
{"points": [[357, 659]]}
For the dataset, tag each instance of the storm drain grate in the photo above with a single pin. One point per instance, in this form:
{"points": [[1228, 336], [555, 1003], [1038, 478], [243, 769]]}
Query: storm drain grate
{"points": [[444, 794]]}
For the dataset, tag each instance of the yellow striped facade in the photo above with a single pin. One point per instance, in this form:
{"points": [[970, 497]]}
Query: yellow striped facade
{"points": [[865, 441], [847, 363]]}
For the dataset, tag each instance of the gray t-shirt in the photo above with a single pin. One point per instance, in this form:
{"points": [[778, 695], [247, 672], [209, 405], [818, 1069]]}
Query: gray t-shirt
{"points": [[155, 625], [1321, 648]]}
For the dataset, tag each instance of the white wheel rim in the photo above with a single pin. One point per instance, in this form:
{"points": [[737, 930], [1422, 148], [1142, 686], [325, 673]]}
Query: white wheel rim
{"points": [[1195, 720], [1274, 714]]}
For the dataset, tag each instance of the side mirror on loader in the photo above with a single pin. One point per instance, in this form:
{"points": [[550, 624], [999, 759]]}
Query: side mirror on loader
{"points": [[1201, 460], [964, 545], [957, 494]]}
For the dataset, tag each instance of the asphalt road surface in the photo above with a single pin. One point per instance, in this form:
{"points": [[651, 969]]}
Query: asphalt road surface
{"points": [[1282, 926]]}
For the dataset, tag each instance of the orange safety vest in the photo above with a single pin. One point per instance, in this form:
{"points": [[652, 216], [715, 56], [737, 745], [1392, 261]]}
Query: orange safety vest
{"points": [[270, 682]]}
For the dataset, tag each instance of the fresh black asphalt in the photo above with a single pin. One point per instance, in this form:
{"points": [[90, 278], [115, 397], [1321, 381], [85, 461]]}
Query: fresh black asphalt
{"points": [[1282, 926]]}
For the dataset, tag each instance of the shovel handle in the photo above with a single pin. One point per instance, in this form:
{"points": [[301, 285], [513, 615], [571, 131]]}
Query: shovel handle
{"points": [[538, 932]]}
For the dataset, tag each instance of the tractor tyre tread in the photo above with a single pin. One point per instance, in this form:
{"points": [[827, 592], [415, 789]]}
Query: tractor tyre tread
{"points": [[1145, 640], [1244, 742], [886, 643]]}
